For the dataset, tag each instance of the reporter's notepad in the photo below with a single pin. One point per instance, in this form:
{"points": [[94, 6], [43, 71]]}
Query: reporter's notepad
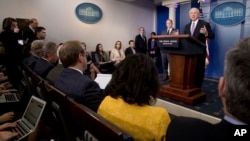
{"points": [[103, 80]]}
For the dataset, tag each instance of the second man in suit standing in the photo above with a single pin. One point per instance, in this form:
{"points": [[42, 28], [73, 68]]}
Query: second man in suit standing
{"points": [[170, 30], [141, 42]]}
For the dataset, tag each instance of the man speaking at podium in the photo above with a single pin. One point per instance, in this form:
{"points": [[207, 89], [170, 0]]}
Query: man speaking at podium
{"points": [[200, 30]]}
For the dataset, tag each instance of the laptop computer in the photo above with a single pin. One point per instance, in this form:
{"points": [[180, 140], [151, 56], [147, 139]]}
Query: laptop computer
{"points": [[103, 79], [9, 95], [30, 118]]}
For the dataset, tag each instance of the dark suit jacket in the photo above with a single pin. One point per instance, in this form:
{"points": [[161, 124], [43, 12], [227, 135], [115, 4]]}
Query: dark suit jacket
{"points": [[200, 67], [54, 73], [42, 67], [29, 34], [128, 51], [192, 129], [141, 44], [80, 87], [31, 61], [155, 46], [164, 32], [197, 34]]}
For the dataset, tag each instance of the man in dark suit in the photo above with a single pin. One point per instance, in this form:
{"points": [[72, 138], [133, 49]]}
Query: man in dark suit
{"points": [[29, 35], [200, 30], [141, 42], [55, 72], [29, 32], [36, 53], [131, 48], [72, 81], [233, 89], [44, 64], [170, 30]]}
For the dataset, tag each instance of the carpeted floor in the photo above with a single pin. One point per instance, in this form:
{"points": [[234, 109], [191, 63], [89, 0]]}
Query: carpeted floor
{"points": [[211, 106]]}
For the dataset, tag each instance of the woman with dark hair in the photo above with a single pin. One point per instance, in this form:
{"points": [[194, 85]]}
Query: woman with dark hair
{"points": [[102, 60], [101, 56], [91, 67], [131, 94]]}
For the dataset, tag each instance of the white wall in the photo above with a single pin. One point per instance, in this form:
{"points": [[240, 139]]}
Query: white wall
{"points": [[121, 20]]}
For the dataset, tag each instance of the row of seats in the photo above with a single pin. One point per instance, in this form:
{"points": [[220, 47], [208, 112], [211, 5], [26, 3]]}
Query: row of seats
{"points": [[75, 121]]}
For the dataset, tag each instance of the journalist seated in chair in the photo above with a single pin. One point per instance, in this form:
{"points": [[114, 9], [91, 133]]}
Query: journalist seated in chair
{"points": [[133, 95], [72, 80], [35, 53], [117, 54], [49, 57], [102, 60], [92, 69]]}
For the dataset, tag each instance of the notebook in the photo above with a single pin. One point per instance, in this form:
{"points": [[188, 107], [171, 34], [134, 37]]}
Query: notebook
{"points": [[30, 118], [9, 95], [103, 79]]}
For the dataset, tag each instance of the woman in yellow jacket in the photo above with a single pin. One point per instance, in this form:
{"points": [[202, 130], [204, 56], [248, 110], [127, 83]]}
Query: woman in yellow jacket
{"points": [[131, 94]]}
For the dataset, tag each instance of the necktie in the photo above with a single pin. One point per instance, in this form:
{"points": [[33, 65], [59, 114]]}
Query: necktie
{"points": [[142, 37], [192, 28], [168, 31], [152, 44]]}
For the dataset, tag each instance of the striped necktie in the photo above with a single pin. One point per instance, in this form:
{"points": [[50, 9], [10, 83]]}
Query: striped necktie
{"points": [[192, 28]]}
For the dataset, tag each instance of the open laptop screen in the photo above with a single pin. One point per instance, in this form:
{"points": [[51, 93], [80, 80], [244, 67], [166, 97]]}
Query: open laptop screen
{"points": [[34, 111]]}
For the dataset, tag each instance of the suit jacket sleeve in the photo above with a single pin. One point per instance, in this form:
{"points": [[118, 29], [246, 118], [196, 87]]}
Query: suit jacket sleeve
{"points": [[185, 128], [93, 96]]}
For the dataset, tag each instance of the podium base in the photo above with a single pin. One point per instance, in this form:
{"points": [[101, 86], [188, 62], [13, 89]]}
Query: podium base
{"points": [[188, 96]]}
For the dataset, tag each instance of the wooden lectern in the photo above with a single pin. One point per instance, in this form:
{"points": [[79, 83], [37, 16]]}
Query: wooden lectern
{"points": [[183, 50]]}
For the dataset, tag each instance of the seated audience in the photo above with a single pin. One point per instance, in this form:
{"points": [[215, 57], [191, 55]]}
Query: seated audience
{"points": [[102, 59], [5, 133], [234, 91], [117, 54], [130, 97], [54, 72], [131, 48], [72, 81], [36, 53], [47, 61], [91, 67]]}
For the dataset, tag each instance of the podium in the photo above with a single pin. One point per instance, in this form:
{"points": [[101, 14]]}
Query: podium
{"points": [[183, 50]]}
